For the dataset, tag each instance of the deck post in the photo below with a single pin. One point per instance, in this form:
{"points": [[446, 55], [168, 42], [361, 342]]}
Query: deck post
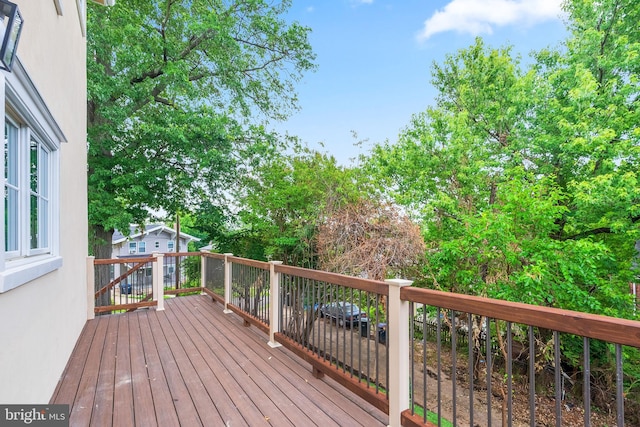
{"points": [[203, 270], [274, 304], [398, 342], [158, 282], [227, 283], [91, 288]]}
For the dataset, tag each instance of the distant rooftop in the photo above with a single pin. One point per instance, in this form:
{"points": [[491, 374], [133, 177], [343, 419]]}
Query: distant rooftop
{"points": [[135, 231]]}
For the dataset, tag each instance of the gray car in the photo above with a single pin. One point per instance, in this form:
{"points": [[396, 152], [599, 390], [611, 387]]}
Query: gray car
{"points": [[343, 313]]}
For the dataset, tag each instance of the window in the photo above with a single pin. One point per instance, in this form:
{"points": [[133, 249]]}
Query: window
{"points": [[157, 245], [170, 245], [11, 191], [133, 246], [29, 227], [39, 197], [142, 247], [28, 165]]}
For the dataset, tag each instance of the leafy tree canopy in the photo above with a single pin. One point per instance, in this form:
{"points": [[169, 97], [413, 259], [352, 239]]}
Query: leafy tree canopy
{"points": [[525, 179], [286, 198], [171, 87]]}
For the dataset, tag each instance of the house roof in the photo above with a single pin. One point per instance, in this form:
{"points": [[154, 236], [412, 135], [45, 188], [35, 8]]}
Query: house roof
{"points": [[135, 231]]}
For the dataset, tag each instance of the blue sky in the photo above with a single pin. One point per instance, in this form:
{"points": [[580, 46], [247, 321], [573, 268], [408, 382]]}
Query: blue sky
{"points": [[374, 59]]}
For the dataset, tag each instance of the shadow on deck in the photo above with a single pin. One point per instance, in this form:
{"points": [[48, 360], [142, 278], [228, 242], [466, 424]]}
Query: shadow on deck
{"points": [[193, 365]]}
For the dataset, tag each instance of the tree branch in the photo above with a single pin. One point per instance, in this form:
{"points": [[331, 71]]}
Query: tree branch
{"points": [[595, 231]]}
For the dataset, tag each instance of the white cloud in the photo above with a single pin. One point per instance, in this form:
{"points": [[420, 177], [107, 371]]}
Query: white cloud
{"points": [[481, 16], [310, 9], [359, 2]]}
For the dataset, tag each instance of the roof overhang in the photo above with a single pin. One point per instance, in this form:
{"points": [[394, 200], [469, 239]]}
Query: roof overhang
{"points": [[156, 229]]}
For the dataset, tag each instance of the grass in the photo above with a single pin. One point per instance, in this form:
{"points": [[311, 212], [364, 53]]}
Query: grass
{"points": [[431, 416]]}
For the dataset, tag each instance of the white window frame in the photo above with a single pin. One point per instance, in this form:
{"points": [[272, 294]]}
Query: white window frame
{"points": [[133, 248], [22, 106], [42, 194], [12, 187], [142, 247], [27, 187], [171, 246]]}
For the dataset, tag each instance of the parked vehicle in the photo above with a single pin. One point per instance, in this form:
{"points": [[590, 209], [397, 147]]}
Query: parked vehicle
{"points": [[125, 288], [343, 313]]}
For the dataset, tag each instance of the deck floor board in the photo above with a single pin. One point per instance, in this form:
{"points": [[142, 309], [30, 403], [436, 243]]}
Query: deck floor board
{"points": [[194, 365]]}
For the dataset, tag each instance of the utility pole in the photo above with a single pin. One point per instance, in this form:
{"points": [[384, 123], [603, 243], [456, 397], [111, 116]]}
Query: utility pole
{"points": [[177, 246]]}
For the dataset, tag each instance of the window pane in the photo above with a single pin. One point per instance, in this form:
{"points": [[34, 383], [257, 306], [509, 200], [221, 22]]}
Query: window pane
{"points": [[142, 247], [43, 173], [11, 154], [33, 223], [39, 202], [132, 247], [11, 220], [44, 223], [34, 166], [11, 188]]}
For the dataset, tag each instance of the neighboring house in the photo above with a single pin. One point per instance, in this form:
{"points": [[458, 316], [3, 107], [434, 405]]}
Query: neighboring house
{"points": [[154, 238], [140, 243], [43, 229]]}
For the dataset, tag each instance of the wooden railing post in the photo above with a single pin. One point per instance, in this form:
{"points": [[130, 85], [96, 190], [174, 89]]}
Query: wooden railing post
{"points": [[274, 304], [398, 342], [227, 283], [91, 288], [158, 282], [203, 270]]}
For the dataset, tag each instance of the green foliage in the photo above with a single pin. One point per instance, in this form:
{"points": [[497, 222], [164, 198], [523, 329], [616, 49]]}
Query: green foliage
{"points": [[285, 199], [505, 212], [171, 87], [526, 180]]}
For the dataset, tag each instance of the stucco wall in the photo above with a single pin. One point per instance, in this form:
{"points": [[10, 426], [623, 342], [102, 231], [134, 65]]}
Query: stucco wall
{"points": [[40, 321]]}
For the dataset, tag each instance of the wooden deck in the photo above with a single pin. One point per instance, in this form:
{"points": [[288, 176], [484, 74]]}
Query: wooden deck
{"points": [[193, 365]]}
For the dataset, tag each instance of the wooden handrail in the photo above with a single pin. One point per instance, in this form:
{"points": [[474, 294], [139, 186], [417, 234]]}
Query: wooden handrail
{"points": [[147, 298], [133, 305], [375, 286], [212, 255], [179, 254], [610, 329], [250, 262], [123, 260]]}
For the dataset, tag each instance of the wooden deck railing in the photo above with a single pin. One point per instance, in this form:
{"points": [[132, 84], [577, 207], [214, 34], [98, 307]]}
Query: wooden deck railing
{"points": [[557, 357], [129, 284], [126, 284], [393, 352]]}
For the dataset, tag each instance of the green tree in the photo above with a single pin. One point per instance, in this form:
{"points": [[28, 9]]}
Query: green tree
{"points": [[526, 179], [287, 197], [509, 207], [172, 85]]}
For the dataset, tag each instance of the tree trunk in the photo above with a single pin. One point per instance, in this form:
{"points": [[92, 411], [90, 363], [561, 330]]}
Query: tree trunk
{"points": [[102, 249]]}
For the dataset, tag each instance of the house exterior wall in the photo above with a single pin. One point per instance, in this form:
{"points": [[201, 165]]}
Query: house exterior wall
{"points": [[41, 320], [122, 249]]}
